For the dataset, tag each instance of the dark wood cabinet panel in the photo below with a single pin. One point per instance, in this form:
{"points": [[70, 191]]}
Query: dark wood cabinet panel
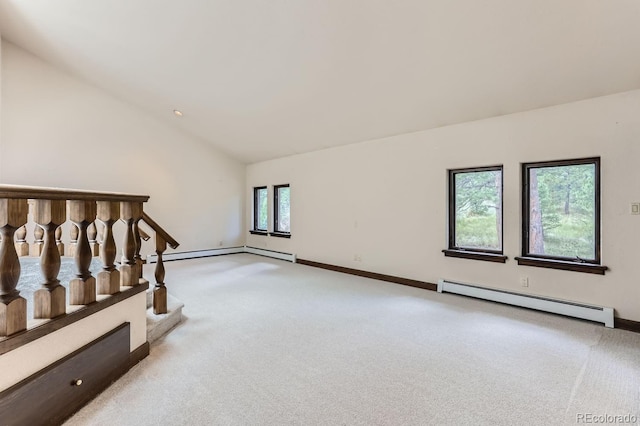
{"points": [[56, 392]]}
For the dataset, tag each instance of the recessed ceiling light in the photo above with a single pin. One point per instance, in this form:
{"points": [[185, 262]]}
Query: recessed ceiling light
{"points": [[177, 113]]}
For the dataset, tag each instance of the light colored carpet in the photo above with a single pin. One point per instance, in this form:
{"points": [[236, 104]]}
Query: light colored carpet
{"points": [[266, 342]]}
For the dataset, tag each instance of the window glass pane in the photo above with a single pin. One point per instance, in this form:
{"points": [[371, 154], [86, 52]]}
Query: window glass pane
{"points": [[284, 224], [562, 203], [261, 209], [478, 210]]}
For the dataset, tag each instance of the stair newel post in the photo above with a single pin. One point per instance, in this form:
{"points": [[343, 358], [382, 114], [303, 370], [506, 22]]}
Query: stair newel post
{"points": [[73, 240], [109, 277], [38, 241], [130, 213], [160, 291], [83, 287], [50, 300], [13, 308], [59, 243], [22, 246], [92, 233]]}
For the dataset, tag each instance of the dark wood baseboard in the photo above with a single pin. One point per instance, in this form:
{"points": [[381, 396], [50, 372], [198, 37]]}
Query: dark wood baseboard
{"points": [[138, 354], [382, 277], [625, 324], [621, 323]]}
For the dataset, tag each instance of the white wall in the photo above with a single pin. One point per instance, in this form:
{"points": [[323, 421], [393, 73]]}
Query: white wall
{"points": [[59, 131], [1, 43], [386, 200]]}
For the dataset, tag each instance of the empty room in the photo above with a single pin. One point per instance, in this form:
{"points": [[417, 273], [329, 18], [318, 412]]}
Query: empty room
{"points": [[422, 212]]}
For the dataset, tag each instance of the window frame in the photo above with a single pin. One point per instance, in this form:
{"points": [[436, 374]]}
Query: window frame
{"points": [[593, 266], [276, 211], [256, 230], [467, 252]]}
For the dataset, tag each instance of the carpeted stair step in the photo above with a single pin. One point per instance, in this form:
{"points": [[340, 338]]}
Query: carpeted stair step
{"points": [[159, 325]]}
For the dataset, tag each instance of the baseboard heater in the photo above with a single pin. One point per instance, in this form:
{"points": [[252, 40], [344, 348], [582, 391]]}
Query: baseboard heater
{"points": [[556, 306], [152, 258]]}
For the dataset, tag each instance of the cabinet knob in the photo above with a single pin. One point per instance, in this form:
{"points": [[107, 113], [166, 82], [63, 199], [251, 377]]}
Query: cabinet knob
{"points": [[77, 382]]}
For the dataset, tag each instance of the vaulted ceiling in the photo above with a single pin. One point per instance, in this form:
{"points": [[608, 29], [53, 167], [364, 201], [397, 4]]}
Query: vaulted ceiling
{"points": [[263, 79]]}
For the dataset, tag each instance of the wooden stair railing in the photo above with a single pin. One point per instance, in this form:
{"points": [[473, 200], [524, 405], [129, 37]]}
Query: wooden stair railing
{"points": [[22, 246], [143, 235], [73, 242], [92, 233], [162, 239], [109, 277], [38, 243], [59, 242], [49, 209], [140, 236], [13, 308]]}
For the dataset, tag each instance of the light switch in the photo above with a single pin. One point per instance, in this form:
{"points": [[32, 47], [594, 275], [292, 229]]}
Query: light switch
{"points": [[635, 208]]}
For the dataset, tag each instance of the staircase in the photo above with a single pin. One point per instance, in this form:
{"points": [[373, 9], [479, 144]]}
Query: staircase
{"points": [[66, 316], [160, 324], [157, 324]]}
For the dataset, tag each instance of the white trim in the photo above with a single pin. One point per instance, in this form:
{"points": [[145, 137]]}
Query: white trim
{"points": [[556, 306], [153, 258]]}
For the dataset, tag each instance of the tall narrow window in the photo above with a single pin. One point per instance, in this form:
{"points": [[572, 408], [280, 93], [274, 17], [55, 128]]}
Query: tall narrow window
{"points": [[475, 214], [561, 215], [281, 211], [260, 200]]}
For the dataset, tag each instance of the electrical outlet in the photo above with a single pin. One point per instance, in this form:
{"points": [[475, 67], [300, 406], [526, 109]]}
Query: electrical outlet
{"points": [[524, 281]]}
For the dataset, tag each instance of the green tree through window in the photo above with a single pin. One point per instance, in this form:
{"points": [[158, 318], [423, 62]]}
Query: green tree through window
{"points": [[562, 210], [282, 209], [260, 209], [475, 221]]}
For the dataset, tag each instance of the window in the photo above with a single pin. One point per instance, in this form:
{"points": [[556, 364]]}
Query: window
{"points": [[475, 214], [281, 211], [260, 200], [561, 215]]}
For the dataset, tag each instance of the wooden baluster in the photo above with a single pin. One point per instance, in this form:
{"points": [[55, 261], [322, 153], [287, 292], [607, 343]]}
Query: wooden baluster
{"points": [[38, 243], [59, 242], [145, 237], [50, 300], [109, 277], [73, 242], [13, 308], [138, 240], [82, 289], [22, 246], [92, 233], [160, 291], [130, 213], [101, 231]]}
